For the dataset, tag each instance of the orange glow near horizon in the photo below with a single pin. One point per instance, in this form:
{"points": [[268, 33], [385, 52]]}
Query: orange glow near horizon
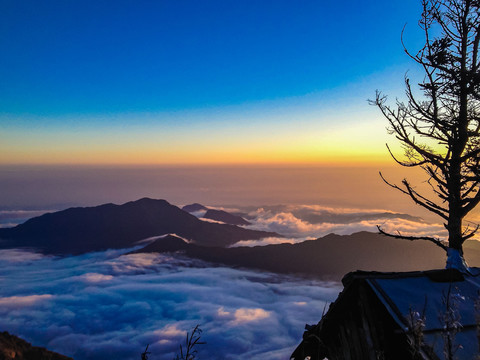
{"points": [[253, 154], [288, 144]]}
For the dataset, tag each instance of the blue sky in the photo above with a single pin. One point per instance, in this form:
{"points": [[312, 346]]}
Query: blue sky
{"points": [[98, 65], [61, 57]]}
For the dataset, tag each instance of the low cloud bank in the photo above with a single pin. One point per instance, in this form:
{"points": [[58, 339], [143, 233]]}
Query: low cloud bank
{"points": [[268, 241], [298, 223], [308, 221], [109, 305]]}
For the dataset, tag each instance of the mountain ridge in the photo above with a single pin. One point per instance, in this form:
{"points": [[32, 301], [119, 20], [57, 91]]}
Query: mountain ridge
{"points": [[329, 257], [226, 217], [216, 214], [84, 229]]}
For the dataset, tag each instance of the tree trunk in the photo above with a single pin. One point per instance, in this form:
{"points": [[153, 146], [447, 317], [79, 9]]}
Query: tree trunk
{"points": [[455, 259], [460, 137]]}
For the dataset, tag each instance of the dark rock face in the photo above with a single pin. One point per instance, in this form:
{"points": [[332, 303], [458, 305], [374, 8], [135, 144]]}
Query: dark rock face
{"points": [[14, 348], [223, 216], [194, 207], [109, 226]]}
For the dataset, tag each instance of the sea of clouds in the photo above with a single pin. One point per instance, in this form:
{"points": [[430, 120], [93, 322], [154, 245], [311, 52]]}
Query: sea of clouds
{"points": [[300, 222], [111, 305]]}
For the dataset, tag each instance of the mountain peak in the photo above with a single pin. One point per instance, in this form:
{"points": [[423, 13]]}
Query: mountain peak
{"points": [[147, 200], [194, 207]]}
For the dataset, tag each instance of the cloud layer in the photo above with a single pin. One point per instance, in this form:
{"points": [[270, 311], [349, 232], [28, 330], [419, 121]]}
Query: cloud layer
{"points": [[300, 222], [109, 305]]}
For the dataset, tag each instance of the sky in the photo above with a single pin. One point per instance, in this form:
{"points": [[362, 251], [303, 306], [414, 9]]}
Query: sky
{"points": [[258, 106], [196, 83]]}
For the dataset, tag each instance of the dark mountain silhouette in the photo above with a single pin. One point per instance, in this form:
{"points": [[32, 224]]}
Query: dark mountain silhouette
{"points": [[223, 216], [14, 348], [79, 230], [329, 257], [194, 207]]}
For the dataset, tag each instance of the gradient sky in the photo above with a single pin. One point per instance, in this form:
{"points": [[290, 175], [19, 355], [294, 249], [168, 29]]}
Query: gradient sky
{"points": [[195, 82]]}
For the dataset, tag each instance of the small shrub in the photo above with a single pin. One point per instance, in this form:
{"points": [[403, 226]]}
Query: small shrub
{"points": [[191, 342]]}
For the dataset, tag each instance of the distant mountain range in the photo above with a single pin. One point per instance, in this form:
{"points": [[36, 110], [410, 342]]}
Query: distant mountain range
{"points": [[329, 257], [109, 226]]}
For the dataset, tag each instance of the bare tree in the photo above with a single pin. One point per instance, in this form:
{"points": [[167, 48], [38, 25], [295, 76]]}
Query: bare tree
{"points": [[439, 130]]}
